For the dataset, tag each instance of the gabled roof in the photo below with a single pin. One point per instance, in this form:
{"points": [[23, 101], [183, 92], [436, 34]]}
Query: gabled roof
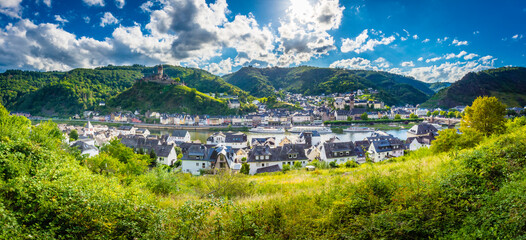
{"points": [[273, 168], [422, 128], [179, 133]]}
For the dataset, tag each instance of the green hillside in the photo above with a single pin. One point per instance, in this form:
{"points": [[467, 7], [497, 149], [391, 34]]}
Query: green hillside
{"points": [[48, 191], [69, 93], [394, 89], [508, 84], [437, 86], [169, 99]]}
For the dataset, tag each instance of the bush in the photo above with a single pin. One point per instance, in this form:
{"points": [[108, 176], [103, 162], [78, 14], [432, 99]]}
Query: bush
{"points": [[286, 168]]}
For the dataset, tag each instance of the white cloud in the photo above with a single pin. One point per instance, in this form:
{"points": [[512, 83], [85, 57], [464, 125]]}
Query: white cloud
{"points": [[99, 3], [361, 44], [470, 56], [426, 40], [59, 19], [452, 55], [120, 3], [433, 59], [86, 19], [487, 60], [362, 64], [11, 8], [448, 72], [303, 32], [382, 62], [407, 64], [108, 19], [403, 38], [350, 44], [406, 32], [147, 6], [415, 37], [459, 43], [45, 2], [517, 36], [353, 63], [476, 32], [221, 68], [441, 40], [420, 59]]}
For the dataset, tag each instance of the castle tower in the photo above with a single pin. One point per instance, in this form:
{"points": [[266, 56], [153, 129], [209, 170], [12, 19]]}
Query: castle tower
{"points": [[160, 70]]}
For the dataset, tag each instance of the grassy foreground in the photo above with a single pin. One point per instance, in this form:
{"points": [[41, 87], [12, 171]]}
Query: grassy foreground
{"points": [[49, 192]]}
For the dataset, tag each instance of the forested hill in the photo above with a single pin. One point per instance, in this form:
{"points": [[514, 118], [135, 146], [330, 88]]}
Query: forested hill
{"points": [[394, 89], [67, 93], [170, 99], [508, 84]]}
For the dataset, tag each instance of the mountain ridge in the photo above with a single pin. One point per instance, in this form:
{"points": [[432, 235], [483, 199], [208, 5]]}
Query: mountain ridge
{"points": [[506, 83], [394, 89]]}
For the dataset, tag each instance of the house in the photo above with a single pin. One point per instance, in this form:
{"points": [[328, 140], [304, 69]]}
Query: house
{"points": [[179, 136], [165, 152], [200, 157], [422, 129], [376, 104], [126, 130], [421, 141], [235, 140], [89, 130], [264, 156], [341, 152], [309, 138], [383, 146], [342, 115], [284, 141], [233, 103], [85, 148], [142, 131], [270, 141]]}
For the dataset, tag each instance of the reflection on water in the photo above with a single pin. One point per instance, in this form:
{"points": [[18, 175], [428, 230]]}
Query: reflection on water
{"points": [[346, 136]]}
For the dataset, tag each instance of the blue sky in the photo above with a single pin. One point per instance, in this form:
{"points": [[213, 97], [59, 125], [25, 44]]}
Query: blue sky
{"points": [[433, 40]]}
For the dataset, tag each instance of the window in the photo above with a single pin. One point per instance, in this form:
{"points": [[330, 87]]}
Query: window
{"points": [[204, 165], [197, 164], [267, 157]]}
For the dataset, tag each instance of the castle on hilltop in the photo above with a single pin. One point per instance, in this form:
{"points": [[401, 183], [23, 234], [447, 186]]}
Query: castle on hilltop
{"points": [[159, 77]]}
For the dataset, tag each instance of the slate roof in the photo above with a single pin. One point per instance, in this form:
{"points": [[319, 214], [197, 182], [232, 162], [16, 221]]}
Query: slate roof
{"points": [[342, 149], [427, 139], [422, 128], [179, 133], [82, 146], [278, 154], [273, 168]]}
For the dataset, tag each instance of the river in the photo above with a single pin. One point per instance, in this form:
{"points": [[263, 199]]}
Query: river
{"points": [[345, 136]]}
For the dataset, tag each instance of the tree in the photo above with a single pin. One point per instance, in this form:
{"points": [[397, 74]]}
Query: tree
{"points": [[413, 116], [486, 115], [364, 116], [245, 168], [435, 113], [442, 113], [385, 117], [428, 113], [74, 135], [153, 158], [451, 114], [397, 117]]}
